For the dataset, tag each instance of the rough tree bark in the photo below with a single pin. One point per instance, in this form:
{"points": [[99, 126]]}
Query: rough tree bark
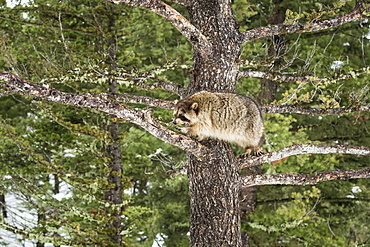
{"points": [[214, 193], [216, 68], [213, 169], [114, 194]]}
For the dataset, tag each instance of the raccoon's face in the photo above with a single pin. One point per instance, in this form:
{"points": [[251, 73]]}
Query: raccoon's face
{"points": [[186, 113]]}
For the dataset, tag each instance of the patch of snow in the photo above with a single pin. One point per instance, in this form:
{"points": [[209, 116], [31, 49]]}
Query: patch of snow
{"points": [[24, 218], [367, 36], [19, 217], [158, 241], [337, 64], [64, 192], [64, 189], [158, 151], [356, 189], [13, 3], [70, 153]]}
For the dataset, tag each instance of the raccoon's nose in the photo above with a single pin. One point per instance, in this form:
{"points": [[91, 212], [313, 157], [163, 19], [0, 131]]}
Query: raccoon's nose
{"points": [[173, 122]]}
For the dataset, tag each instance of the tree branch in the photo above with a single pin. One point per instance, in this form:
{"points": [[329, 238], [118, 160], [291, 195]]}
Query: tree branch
{"points": [[139, 78], [142, 119], [313, 111], [193, 34], [287, 78], [160, 84], [302, 149], [133, 99], [302, 179], [303, 27]]}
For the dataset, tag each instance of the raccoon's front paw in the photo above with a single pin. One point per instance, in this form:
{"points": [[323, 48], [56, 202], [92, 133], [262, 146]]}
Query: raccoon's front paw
{"points": [[177, 127], [184, 130]]}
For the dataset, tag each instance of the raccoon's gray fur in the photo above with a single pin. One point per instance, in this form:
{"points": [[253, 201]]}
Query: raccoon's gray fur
{"points": [[224, 116]]}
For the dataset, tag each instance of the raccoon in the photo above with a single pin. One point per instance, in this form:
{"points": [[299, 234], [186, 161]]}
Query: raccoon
{"points": [[225, 116]]}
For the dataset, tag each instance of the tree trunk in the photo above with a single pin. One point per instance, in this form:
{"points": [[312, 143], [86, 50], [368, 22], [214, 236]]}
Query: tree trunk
{"points": [[276, 51], [248, 201], [114, 195], [3, 207], [214, 188], [215, 70]]}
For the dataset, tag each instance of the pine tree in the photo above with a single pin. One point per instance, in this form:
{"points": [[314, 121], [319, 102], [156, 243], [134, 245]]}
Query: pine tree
{"points": [[287, 80]]}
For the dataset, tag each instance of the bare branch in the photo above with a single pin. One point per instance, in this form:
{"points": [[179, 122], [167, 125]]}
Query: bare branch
{"points": [[128, 98], [303, 149], [7, 93], [144, 120], [160, 84], [287, 78], [175, 18], [313, 111], [302, 27], [301, 179], [139, 78]]}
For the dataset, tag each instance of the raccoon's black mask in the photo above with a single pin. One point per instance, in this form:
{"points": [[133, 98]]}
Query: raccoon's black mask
{"points": [[183, 118]]}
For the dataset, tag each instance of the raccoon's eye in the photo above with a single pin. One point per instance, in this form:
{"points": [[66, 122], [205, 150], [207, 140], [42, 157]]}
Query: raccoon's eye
{"points": [[183, 118]]}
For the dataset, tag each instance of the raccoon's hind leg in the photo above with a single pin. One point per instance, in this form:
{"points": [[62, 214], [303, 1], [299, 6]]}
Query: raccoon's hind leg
{"points": [[249, 151], [254, 150], [257, 151]]}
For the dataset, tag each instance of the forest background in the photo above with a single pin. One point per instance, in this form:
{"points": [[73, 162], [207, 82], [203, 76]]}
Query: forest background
{"points": [[56, 159]]}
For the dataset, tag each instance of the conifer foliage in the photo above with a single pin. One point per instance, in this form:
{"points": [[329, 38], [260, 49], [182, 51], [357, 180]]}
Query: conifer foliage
{"points": [[88, 155]]}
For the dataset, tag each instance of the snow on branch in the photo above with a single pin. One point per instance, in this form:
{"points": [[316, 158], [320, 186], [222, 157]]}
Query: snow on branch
{"points": [[175, 18], [313, 111], [302, 179], [303, 149], [143, 119], [303, 27]]}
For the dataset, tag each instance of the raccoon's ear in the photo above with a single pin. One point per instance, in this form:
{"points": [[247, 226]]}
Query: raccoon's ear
{"points": [[194, 106]]}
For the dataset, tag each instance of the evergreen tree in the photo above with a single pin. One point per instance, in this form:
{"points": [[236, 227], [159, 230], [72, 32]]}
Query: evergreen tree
{"points": [[283, 54]]}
